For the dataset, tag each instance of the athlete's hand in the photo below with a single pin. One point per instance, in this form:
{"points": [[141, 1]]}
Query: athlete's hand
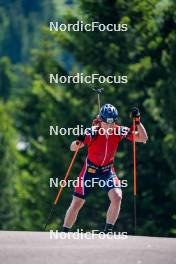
{"points": [[96, 121], [135, 113], [74, 145]]}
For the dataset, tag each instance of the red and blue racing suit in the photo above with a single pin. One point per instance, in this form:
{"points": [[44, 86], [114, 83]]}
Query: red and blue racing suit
{"points": [[98, 166]]}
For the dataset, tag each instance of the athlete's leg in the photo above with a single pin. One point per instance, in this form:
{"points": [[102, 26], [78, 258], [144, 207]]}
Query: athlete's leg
{"points": [[115, 196], [80, 193], [77, 202], [72, 212]]}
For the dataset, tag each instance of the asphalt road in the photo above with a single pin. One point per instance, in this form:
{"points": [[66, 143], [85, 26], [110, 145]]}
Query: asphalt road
{"points": [[38, 248]]}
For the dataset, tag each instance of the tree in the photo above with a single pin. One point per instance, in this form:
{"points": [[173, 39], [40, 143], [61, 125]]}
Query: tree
{"points": [[7, 78], [8, 168]]}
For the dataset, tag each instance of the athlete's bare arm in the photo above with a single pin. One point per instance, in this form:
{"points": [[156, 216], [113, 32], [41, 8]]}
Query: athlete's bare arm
{"points": [[141, 134], [74, 145]]}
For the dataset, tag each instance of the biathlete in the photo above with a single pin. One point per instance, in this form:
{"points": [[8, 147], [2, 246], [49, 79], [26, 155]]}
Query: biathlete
{"points": [[99, 164]]}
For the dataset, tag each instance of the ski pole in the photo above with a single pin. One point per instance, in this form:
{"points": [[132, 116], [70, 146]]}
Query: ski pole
{"points": [[134, 174], [61, 188], [98, 91]]}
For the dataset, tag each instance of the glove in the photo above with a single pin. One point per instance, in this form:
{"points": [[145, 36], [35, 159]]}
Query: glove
{"points": [[96, 121], [135, 113]]}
